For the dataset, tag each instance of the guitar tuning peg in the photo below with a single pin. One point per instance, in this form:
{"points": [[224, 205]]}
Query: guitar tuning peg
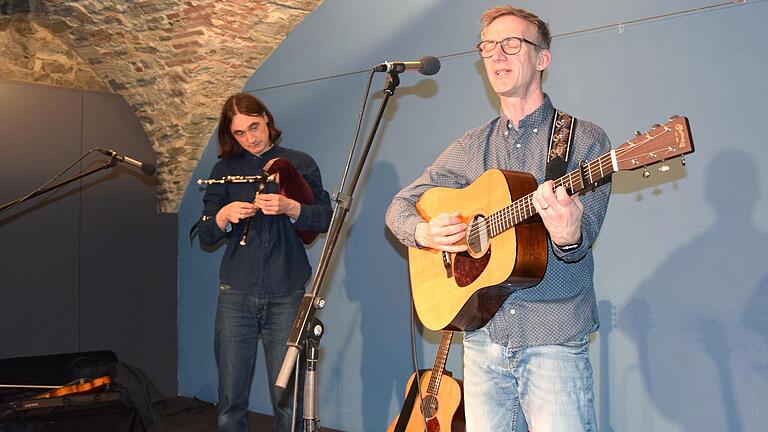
{"points": [[682, 160], [646, 174], [664, 167], [638, 133], [655, 125], [673, 116]]}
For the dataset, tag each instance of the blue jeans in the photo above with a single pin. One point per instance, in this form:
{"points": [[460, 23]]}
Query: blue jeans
{"points": [[241, 320], [551, 384]]}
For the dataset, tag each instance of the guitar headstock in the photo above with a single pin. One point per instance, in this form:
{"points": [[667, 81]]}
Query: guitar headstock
{"points": [[661, 143]]}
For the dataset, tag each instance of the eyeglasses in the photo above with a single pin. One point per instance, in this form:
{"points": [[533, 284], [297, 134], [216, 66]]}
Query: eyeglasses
{"points": [[511, 46], [253, 128]]}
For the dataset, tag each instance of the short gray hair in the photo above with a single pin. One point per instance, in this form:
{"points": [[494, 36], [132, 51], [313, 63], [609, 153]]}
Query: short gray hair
{"points": [[542, 29]]}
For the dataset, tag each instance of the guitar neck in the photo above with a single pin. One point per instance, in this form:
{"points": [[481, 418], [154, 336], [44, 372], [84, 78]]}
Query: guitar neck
{"points": [[588, 175], [440, 358], [663, 142]]}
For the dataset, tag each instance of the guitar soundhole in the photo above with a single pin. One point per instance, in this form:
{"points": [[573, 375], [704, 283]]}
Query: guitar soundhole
{"points": [[477, 235], [429, 406]]}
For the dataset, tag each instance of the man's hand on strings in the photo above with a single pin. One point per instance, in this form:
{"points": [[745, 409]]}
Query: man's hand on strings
{"points": [[442, 232], [560, 212]]}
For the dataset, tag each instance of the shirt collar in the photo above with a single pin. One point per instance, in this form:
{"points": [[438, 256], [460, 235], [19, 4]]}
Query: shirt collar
{"points": [[269, 154], [536, 119]]}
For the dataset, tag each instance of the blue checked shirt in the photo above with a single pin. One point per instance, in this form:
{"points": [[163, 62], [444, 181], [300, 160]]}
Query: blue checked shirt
{"points": [[562, 306]]}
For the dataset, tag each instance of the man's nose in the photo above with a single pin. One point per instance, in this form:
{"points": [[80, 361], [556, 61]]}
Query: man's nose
{"points": [[498, 52]]}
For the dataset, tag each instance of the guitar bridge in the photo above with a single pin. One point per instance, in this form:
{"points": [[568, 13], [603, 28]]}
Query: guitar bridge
{"points": [[447, 264]]}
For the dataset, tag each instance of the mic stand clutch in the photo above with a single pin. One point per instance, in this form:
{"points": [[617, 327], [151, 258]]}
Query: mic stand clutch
{"points": [[307, 329]]}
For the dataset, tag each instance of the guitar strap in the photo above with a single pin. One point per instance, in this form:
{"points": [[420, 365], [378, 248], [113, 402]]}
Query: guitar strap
{"points": [[408, 404], [560, 139]]}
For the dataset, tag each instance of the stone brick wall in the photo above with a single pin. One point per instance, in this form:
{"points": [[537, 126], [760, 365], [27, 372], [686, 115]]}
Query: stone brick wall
{"points": [[29, 52], [174, 61]]}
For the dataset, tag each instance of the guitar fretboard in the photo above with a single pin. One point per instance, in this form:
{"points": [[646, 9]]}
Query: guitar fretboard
{"points": [[573, 182], [439, 367], [644, 149]]}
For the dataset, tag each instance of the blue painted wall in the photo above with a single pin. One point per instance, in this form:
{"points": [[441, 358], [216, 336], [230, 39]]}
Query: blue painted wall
{"points": [[682, 272]]}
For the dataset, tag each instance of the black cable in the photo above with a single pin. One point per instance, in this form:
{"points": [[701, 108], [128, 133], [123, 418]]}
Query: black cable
{"points": [[621, 24], [308, 81], [199, 406], [359, 126], [416, 369], [47, 183]]}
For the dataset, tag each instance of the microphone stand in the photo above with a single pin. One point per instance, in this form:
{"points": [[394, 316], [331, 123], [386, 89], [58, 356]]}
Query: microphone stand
{"points": [[104, 165], [307, 329]]}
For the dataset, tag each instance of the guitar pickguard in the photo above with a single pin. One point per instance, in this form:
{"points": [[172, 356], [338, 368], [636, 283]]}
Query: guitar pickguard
{"points": [[467, 269]]}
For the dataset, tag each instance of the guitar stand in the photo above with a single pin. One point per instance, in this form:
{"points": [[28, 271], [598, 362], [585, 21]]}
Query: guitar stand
{"points": [[307, 329]]}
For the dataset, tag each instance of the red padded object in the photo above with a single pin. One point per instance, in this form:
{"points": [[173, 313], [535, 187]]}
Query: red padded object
{"points": [[292, 185]]}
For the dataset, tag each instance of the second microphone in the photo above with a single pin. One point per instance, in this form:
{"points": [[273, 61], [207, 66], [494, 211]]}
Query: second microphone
{"points": [[427, 65]]}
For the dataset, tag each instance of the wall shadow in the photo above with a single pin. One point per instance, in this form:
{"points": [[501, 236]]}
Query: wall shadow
{"points": [[606, 311], [698, 323], [381, 295]]}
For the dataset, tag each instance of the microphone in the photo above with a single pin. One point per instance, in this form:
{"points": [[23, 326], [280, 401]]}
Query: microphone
{"points": [[146, 168], [427, 65]]}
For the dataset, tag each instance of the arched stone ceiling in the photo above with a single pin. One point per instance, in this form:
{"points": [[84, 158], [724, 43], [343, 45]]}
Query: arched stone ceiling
{"points": [[173, 61]]}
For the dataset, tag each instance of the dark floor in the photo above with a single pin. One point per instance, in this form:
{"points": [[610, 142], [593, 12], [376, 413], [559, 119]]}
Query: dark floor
{"points": [[193, 415]]}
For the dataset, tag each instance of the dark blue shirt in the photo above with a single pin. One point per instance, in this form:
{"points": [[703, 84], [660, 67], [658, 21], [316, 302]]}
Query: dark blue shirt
{"points": [[274, 261]]}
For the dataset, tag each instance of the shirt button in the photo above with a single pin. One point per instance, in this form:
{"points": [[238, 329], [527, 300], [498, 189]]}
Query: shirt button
{"points": [[512, 312], [506, 133], [535, 130], [517, 145]]}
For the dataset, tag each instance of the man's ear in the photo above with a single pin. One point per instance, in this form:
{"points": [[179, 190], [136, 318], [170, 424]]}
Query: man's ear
{"points": [[543, 59]]}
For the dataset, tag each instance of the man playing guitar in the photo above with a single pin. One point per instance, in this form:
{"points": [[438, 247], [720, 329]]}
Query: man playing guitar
{"points": [[531, 356]]}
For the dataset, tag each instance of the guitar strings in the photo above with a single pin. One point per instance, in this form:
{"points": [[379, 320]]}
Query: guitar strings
{"points": [[523, 208], [437, 371], [499, 220]]}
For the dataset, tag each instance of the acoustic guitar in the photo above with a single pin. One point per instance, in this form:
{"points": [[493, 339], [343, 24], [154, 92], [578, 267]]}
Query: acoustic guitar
{"points": [[506, 239], [80, 386], [438, 407]]}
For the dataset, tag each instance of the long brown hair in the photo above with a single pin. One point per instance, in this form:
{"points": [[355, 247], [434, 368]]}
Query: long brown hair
{"points": [[247, 104]]}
